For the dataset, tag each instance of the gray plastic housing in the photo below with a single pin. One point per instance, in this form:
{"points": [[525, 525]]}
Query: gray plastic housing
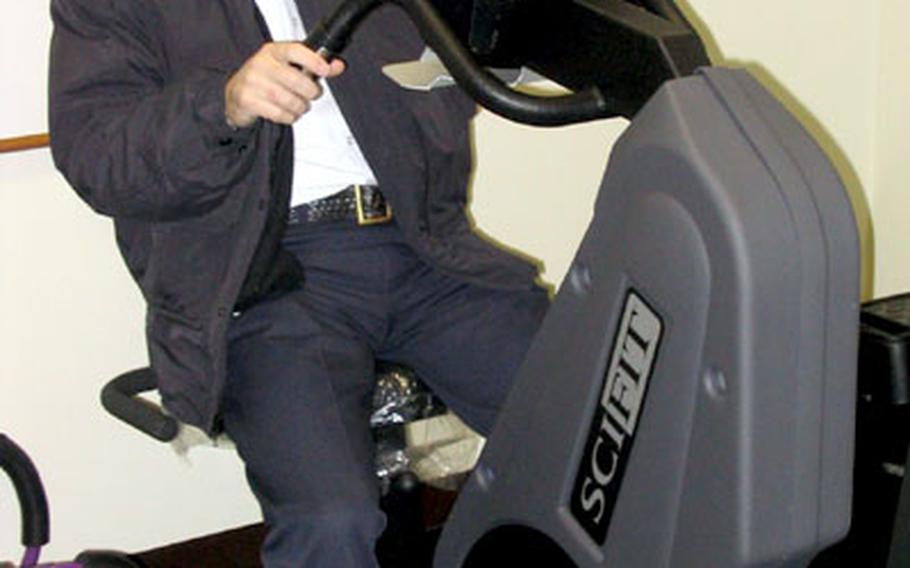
{"points": [[722, 214]]}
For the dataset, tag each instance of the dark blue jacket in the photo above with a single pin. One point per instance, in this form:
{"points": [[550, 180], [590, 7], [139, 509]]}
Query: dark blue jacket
{"points": [[137, 127]]}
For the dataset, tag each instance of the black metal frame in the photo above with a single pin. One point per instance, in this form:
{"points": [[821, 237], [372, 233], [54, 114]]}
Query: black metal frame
{"points": [[629, 49]]}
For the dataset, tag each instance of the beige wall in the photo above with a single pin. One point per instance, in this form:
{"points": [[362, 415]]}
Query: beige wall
{"points": [[821, 59], [70, 318], [890, 193]]}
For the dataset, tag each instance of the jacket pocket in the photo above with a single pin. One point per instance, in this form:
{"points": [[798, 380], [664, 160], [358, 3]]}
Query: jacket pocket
{"points": [[188, 268], [183, 366]]}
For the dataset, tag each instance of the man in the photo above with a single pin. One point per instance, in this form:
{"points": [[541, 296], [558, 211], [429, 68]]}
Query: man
{"points": [[278, 261]]}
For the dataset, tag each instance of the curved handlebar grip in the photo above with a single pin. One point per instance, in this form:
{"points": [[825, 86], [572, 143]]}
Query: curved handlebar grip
{"points": [[32, 499], [120, 398], [331, 35], [489, 91]]}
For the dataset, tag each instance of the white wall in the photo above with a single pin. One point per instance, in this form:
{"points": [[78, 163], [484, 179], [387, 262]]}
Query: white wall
{"points": [[24, 31], [70, 318]]}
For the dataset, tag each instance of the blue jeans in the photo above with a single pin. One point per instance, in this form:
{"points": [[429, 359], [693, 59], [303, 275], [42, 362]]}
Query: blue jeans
{"points": [[301, 379]]}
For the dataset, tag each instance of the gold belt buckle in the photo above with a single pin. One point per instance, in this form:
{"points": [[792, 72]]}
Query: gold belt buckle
{"points": [[362, 218]]}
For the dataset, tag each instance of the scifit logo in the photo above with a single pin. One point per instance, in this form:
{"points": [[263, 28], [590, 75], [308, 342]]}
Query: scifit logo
{"points": [[612, 433]]}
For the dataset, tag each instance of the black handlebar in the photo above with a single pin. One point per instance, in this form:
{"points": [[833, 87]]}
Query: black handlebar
{"points": [[120, 398], [32, 499], [613, 54], [488, 90], [331, 35]]}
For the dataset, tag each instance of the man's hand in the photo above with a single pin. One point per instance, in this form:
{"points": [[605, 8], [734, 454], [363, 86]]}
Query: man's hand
{"points": [[278, 83]]}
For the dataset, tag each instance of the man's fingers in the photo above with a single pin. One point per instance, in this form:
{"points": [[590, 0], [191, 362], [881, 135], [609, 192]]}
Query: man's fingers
{"points": [[280, 114], [288, 101], [298, 55], [336, 67], [269, 86], [295, 53], [262, 95], [297, 81]]}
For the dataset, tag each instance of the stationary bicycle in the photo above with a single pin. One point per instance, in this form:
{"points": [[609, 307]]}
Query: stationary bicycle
{"points": [[689, 399]]}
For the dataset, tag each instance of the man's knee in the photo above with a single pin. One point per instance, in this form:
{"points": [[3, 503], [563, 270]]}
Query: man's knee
{"points": [[337, 535]]}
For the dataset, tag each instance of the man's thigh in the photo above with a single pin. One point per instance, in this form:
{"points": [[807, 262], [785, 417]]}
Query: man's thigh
{"points": [[297, 405], [467, 343]]}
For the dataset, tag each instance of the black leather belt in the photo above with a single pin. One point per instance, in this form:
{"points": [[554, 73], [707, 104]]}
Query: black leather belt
{"points": [[363, 204]]}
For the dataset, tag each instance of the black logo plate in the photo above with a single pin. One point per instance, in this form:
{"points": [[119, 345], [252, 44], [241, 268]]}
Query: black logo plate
{"points": [[612, 433]]}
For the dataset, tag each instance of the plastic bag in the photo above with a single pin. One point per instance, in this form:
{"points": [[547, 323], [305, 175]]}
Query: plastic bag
{"points": [[442, 450], [401, 397], [415, 432]]}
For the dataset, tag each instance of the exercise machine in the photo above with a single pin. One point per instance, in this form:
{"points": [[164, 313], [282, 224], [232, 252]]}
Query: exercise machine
{"points": [[35, 532], [690, 397]]}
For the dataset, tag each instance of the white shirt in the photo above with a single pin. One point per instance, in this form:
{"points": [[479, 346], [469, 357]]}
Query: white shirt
{"points": [[327, 158]]}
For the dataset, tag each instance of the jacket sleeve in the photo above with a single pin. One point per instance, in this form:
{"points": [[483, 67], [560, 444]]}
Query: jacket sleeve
{"points": [[131, 142]]}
